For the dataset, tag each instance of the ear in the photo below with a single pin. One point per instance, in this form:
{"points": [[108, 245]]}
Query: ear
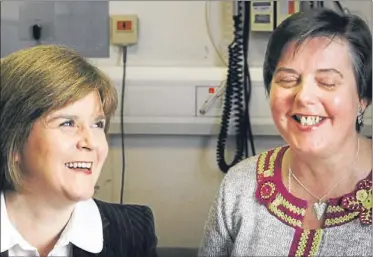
{"points": [[16, 157], [363, 104]]}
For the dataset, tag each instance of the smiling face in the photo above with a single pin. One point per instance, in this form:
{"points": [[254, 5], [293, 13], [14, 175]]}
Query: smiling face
{"points": [[66, 150], [314, 99]]}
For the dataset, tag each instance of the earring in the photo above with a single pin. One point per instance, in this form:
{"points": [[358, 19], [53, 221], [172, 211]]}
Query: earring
{"points": [[360, 118]]}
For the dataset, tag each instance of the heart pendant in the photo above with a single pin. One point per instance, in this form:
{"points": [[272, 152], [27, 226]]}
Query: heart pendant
{"points": [[319, 209]]}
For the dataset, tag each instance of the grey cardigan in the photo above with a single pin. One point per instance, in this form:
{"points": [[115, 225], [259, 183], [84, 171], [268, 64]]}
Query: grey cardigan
{"points": [[254, 215]]}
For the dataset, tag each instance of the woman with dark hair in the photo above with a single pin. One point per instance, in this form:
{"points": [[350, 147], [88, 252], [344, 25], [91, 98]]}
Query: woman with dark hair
{"points": [[312, 197]]}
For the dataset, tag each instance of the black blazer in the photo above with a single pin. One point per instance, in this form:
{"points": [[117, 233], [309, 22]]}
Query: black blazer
{"points": [[128, 232]]}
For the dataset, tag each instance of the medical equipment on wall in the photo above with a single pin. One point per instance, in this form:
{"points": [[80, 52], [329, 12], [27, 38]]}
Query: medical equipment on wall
{"points": [[249, 16], [262, 15], [237, 92], [267, 15]]}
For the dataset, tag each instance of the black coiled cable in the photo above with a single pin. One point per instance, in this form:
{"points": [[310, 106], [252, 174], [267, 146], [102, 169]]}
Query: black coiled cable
{"points": [[236, 93], [247, 83]]}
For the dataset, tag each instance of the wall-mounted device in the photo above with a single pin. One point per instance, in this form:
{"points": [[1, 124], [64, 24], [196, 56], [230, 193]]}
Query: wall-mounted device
{"points": [[123, 29], [262, 16], [123, 32], [267, 15], [237, 92]]}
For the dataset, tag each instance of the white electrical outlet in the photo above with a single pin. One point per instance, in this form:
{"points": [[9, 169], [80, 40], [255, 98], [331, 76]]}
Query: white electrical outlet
{"points": [[207, 103], [123, 29]]}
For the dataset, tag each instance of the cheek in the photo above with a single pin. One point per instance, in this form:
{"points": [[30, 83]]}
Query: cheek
{"points": [[39, 154], [336, 105], [341, 105], [279, 102], [36, 150]]}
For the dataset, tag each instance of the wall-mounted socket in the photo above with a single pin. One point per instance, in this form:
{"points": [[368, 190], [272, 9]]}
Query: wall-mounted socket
{"points": [[207, 103], [123, 29], [35, 12]]}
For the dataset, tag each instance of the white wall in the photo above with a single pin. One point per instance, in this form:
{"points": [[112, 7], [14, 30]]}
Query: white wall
{"points": [[173, 33]]}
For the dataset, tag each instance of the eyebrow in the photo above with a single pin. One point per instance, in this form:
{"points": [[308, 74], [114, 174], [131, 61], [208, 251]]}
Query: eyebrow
{"points": [[101, 117], [330, 70], [74, 117], [288, 70]]}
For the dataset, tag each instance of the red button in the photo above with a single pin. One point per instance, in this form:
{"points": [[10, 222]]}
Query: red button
{"points": [[291, 7], [124, 25]]}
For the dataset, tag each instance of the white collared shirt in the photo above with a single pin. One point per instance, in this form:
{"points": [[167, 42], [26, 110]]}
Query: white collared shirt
{"points": [[84, 230]]}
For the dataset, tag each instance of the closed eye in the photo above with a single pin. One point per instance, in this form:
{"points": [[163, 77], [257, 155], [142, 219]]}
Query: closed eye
{"points": [[327, 85], [329, 81], [287, 82]]}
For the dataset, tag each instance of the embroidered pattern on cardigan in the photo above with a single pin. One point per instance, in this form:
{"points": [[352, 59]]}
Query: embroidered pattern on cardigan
{"points": [[272, 193], [306, 242]]}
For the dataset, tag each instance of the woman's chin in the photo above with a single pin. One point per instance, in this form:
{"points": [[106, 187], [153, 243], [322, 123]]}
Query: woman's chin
{"points": [[82, 195], [309, 146], [312, 151]]}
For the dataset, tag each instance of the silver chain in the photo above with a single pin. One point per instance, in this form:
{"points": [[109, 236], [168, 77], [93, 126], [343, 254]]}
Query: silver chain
{"points": [[291, 174]]}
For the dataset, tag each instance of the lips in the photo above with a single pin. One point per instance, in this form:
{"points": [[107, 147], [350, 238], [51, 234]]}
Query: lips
{"points": [[308, 120], [80, 166]]}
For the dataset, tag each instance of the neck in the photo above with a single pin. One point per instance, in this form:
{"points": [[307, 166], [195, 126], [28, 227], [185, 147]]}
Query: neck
{"points": [[327, 170], [40, 221]]}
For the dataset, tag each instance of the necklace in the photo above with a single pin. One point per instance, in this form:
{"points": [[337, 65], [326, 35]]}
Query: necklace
{"points": [[319, 207]]}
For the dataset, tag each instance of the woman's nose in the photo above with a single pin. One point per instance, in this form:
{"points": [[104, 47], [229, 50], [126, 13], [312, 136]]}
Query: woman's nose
{"points": [[86, 139], [307, 92]]}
